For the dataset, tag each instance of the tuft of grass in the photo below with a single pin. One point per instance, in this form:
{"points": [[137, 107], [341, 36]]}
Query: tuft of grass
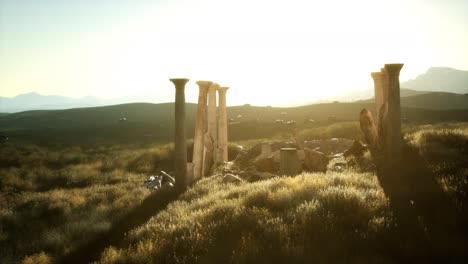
{"points": [[308, 217]]}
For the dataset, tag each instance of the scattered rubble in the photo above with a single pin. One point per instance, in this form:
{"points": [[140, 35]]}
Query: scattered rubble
{"points": [[162, 181]]}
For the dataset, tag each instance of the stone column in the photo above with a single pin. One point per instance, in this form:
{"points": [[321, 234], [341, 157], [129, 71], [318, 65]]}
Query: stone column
{"points": [[223, 133], [393, 141], [180, 142], [378, 92], [289, 162], [212, 120], [197, 159], [384, 85]]}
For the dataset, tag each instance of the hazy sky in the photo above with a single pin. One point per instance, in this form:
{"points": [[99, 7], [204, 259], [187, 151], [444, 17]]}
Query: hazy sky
{"points": [[268, 52]]}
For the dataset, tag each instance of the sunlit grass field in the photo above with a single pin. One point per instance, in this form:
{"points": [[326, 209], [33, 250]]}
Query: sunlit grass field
{"points": [[54, 201]]}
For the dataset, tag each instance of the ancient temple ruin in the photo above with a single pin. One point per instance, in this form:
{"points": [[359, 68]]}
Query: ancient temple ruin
{"points": [[210, 144], [384, 136]]}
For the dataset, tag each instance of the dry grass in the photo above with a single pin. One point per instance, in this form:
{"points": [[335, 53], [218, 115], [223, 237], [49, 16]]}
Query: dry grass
{"points": [[291, 219], [54, 201]]}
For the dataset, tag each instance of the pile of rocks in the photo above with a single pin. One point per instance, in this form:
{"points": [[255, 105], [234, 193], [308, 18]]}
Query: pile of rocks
{"points": [[161, 181], [314, 156]]}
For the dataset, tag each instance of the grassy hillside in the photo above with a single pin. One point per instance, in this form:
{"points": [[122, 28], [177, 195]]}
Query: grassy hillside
{"points": [[153, 123], [325, 218], [88, 203]]}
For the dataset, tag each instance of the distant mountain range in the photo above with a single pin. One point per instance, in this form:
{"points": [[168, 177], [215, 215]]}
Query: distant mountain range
{"points": [[36, 101], [436, 79], [440, 79]]}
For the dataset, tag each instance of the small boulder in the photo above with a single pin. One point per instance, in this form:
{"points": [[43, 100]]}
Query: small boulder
{"points": [[315, 160], [275, 156], [357, 149], [265, 164]]}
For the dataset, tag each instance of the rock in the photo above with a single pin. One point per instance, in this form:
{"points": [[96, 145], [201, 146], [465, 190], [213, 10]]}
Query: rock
{"points": [[357, 149], [153, 182], [276, 156], [265, 164], [301, 154], [231, 178], [315, 160], [339, 166]]}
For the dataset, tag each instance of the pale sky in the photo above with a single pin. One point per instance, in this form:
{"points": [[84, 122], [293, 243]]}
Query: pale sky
{"points": [[269, 52]]}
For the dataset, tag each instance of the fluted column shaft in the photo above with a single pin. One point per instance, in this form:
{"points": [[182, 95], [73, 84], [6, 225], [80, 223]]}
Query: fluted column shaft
{"points": [[378, 91], [199, 130], [212, 122], [223, 133], [180, 143], [394, 143]]}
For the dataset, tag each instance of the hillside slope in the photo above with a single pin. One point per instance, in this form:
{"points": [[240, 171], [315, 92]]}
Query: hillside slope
{"points": [[146, 123], [434, 100]]}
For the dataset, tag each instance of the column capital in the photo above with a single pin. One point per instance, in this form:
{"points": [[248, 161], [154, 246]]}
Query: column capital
{"points": [[214, 87], [204, 85], [376, 75], [179, 82], [222, 89], [393, 69]]}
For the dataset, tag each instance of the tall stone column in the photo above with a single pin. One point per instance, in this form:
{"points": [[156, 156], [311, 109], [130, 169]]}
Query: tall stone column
{"points": [[223, 133], [393, 141], [384, 85], [180, 142], [212, 120], [197, 159], [378, 91]]}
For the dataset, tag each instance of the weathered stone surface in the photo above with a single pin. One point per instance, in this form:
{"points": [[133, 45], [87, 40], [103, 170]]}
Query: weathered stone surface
{"points": [[357, 149], [197, 158], [369, 129], [289, 162], [180, 142], [315, 160], [275, 156], [265, 164], [231, 178]]}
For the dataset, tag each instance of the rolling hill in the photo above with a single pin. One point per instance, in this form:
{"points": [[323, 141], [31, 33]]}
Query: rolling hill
{"points": [[153, 123], [434, 100]]}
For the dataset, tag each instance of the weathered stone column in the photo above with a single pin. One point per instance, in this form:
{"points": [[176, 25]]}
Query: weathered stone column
{"points": [[197, 159], [289, 162], [180, 142], [223, 133], [212, 120], [378, 92], [384, 85], [393, 141]]}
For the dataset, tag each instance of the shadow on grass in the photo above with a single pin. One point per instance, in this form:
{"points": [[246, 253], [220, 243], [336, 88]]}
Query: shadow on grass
{"points": [[428, 227], [91, 251]]}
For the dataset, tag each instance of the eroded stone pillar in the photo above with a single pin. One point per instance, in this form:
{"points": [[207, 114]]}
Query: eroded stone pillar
{"points": [[197, 159], [289, 162], [378, 92], [180, 142], [222, 128], [212, 120], [384, 85], [393, 140]]}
